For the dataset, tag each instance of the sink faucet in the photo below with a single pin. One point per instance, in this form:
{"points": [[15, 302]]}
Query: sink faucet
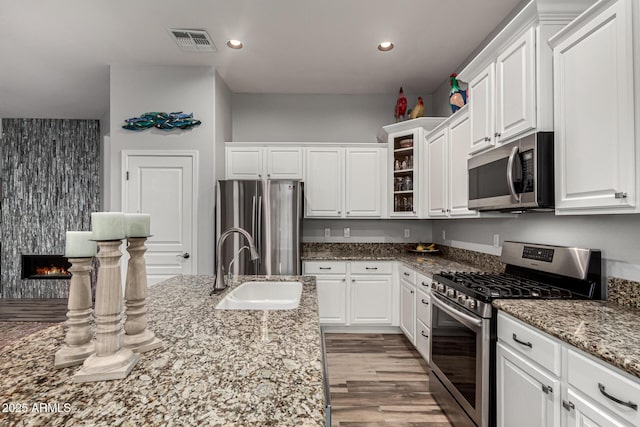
{"points": [[229, 271], [219, 284]]}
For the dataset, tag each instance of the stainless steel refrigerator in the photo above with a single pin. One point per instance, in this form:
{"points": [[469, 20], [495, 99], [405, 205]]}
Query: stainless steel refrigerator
{"points": [[271, 211]]}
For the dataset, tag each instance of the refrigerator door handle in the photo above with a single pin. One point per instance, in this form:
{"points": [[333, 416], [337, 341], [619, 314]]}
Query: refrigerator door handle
{"points": [[253, 219], [258, 238]]}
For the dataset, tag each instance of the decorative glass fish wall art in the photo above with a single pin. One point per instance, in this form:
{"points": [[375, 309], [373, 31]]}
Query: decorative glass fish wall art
{"points": [[164, 121]]}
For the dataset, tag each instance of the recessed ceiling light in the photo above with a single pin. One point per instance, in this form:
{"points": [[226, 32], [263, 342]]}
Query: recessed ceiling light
{"points": [[385, 46], [234, 44]]}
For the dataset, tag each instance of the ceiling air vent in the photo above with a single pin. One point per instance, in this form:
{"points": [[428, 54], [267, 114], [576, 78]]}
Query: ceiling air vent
{"points": [[193, 40]]}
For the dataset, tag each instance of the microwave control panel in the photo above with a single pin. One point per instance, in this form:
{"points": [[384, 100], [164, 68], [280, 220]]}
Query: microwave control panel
{"points": [[527, 171]]}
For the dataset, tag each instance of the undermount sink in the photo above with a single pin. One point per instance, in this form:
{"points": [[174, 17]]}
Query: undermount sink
{"points": [[263, 296]]}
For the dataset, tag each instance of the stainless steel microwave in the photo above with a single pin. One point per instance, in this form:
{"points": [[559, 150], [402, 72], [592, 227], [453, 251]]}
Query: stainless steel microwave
{"points": [[517, 176]]}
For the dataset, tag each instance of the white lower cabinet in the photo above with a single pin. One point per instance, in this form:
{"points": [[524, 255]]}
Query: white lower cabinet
{"points": [[354, 293], [370, 299], [527, 396], [408, 310], [583, 391], [423, 334]]}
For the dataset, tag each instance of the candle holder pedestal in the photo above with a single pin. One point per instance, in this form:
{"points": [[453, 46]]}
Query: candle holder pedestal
{"points": [[110, 361], [137, 336], [78, 345]]}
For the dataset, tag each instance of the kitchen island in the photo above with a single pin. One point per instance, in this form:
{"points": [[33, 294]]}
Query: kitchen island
{"points": [[217, 367]]}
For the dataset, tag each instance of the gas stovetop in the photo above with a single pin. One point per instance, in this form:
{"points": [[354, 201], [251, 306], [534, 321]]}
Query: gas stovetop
{"points": [[487, 286], [532, 271]]}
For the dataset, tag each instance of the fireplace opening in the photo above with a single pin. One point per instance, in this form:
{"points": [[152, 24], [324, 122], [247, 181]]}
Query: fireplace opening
{"points": [[45, 267]]}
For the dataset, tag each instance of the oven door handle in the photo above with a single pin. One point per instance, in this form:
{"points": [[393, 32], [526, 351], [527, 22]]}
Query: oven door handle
{"points": [[512, 188], [465, 319]]}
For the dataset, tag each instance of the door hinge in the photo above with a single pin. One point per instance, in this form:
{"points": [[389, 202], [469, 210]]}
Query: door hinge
{"points": [[127, 175]]}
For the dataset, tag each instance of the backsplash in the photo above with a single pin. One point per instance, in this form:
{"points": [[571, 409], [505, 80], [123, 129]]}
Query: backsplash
{"points": [[486, 262], [623, 292]]}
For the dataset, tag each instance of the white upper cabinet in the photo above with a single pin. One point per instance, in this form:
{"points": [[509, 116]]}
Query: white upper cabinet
{"points": [[284, 162], [481, 109], [244, 162], [405, 181], [458, 191], [437, 167], [365, 177], [516, 88], [597, 156], [448, 177], [258, 162], [324, 182], [510, 81], [345, 182]]}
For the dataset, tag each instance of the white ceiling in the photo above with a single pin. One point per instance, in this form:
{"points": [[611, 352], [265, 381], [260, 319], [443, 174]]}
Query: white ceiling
{"points": [[55, 54]]}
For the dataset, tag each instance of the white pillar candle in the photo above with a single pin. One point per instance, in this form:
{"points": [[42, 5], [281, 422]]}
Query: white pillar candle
{"points": [[79, 245], [107, 225], [137, 224]]}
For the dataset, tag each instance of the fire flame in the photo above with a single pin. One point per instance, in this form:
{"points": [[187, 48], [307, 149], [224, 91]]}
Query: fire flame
{"points": [[51, 270]]}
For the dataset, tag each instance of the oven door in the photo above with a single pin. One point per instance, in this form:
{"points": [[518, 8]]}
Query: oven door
{"points": [[460, 356], [496, 179]]}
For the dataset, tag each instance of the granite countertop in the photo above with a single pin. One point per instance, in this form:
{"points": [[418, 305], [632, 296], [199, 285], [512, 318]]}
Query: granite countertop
{"points": [[606, 330], [217, 367], [424, 264]]}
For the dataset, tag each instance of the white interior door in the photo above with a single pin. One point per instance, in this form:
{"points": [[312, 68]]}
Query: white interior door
{"points": [[164, 185]]}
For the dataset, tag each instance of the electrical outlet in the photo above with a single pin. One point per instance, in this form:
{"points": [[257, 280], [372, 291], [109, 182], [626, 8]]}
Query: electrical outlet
{"points": [[496, 240], [444, 235], [327, 232], [407, 232], [347, 232]]}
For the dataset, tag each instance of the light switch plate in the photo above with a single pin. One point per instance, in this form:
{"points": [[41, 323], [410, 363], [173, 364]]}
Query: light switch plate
{"points": [[327, 232], [496, 240], [407, 232], [347, 232], [444, 235]]}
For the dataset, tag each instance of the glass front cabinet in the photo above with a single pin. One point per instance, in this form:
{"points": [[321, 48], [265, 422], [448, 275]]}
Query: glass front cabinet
{"points": [[405, 181]]}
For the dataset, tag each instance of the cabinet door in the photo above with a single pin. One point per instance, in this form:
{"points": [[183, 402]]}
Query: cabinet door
{"points": [[404, 182], [481, 108], [459, 137], [594, 115], [526, 396], [437, 172], [324, 182], [244, 162], [581, 412], [284, 163], [422, 340], [363, 182], [408, 310], [516, 88], [371, 299], [332, 299]]}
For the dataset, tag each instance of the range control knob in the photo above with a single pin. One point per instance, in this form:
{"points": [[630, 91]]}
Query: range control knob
{"points": [[462, 299], [440, 287], [451, 293], [470, 303]]}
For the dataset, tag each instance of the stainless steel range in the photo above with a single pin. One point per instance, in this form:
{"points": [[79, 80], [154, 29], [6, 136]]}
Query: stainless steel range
{"points": [[463, 326]]}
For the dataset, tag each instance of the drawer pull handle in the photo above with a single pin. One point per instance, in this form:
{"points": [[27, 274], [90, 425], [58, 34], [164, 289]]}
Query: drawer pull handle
{"points": [[406, 274], [631, 405], [423, 334], [425, 302], [568, 405], [324, 268], [424, 284], [526, 344], [371, 268], [547, 389]]}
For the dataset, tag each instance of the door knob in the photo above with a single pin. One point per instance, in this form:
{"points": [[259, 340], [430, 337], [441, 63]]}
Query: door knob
{"points": [[185, 255]]}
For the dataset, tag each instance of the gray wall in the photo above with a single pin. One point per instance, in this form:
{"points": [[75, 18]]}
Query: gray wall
{"points": [[314, 118], [50, 184], [367, 230], [137, 89], [223, 123], [618, 236]]}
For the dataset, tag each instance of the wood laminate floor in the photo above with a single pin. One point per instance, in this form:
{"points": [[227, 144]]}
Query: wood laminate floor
{"points": [[379, 380]]}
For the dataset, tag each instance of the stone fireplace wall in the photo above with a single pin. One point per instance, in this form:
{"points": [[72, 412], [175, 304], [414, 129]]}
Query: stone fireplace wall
{"points": [[50, 176]]}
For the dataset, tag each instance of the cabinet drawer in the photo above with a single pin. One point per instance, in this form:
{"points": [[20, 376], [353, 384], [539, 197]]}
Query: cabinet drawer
{"points": [[594, 379], [530, 342], [325, 267], [407, 274], [423, 283], [422, 339], [423, 307], [377, 267]]}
